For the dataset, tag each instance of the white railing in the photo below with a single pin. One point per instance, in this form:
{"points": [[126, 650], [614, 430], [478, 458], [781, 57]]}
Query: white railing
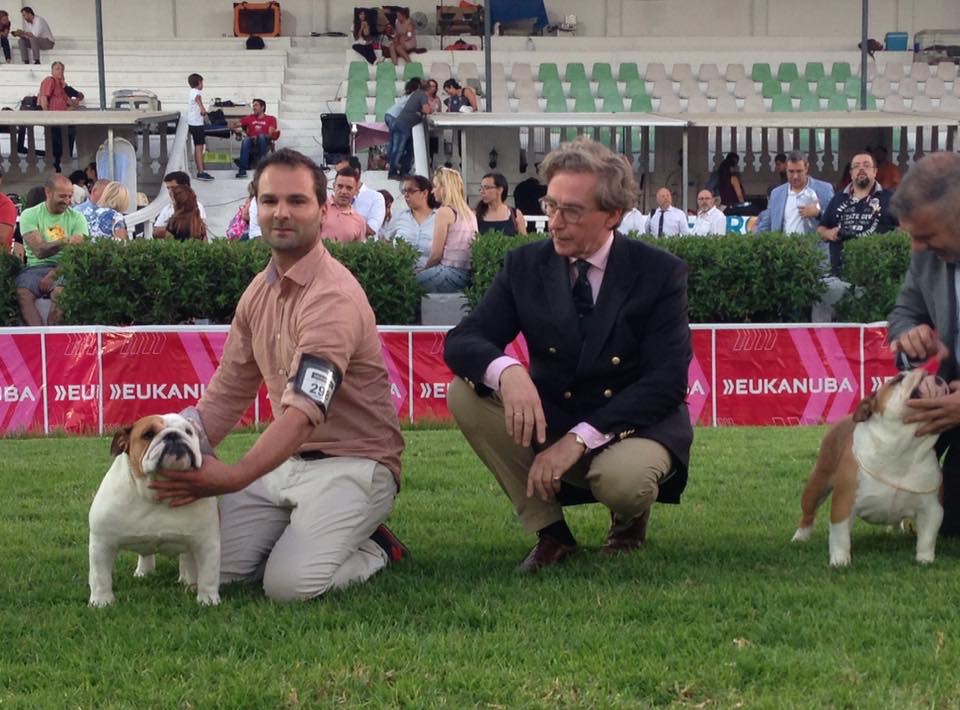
{"points": [[176, 160]]}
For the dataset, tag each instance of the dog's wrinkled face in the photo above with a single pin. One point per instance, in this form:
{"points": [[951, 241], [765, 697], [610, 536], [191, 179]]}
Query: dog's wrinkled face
{"points": [[892, 398], [166, 441]]}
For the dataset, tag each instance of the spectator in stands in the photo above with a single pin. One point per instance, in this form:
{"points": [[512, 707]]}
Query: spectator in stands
{"points": [[91, 172], [432, 88], [888, 174], [387, 210], [415, 224], [196, 112], [5, 35], [47, 229], [79, 177], [780, 168], [796, 206], [633, 221], [710, 220], [88, 208], [404, 38], [53, 97], [108, 221], [923, 322], [729, 187], [239, 227], [667, 220], [448, 266], [493, 213], [34, 36], [172, 180], [459, 98], [414, 109], [8, 219], [528, 193], [367, 203], [342, 223], [863, 207], [187, 221], [600, 415], [363, 36], [35, 195], [390, 118], [258, 130]]}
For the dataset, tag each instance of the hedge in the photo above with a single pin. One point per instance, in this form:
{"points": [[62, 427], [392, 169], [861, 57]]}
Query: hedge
{"points": [[875, 265], [146, 282], [9, 310]]}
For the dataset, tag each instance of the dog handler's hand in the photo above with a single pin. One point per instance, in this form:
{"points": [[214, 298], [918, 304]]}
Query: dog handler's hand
{"points": [[936, 414], [548, 467], [184, 487], [522, 410], [920, 343]]}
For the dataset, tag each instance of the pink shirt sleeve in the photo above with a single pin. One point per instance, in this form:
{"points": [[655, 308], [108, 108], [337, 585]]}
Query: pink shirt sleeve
{"points": [[491, 378]]}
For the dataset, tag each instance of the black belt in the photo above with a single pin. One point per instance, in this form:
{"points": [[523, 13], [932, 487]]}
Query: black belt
{"points": [[312, 455]]}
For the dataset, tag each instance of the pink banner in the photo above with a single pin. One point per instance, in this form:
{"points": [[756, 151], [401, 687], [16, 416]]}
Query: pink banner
{"points": [[699, 377], [73, 382], [21, 383]]}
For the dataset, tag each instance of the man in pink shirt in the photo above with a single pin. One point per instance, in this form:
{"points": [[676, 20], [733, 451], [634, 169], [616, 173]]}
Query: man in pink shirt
{"points": [[600, 414], [342, 223], [55, 95]]}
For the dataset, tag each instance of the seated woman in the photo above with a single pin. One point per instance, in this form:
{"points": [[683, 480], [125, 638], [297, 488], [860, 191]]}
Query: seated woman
{"points": [[107, 221], [415, 224], [493, 214], [364, 36], [448, 265], [431, 87], [186, 222], [459, 98], [404, 38]]}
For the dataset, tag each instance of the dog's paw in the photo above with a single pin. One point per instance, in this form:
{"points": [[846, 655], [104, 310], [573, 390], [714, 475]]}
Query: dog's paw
{"points": [[102, 600], [925, 559], [840, 559], [186, 581], [145, 565], [209, 599], [802, 535]]}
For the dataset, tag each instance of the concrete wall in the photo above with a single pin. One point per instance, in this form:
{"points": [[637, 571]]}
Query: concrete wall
{"points": [[612, 18]]}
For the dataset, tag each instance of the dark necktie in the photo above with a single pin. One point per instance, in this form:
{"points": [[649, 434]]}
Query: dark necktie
{"points": [[660, 228], [582, 292]]}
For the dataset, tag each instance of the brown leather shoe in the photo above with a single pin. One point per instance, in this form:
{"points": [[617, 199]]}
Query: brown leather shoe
{"points": [[626, 539], [548, 551]]}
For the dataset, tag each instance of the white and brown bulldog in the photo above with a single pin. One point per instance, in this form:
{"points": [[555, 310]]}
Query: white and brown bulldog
{"points": [[878, 469], [125, 516]]}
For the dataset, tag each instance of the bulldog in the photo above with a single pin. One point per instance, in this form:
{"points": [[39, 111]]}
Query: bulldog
{"points": [[125, 516], [878, 469]]}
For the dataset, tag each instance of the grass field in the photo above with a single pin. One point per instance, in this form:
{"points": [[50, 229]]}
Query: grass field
{"points": [[720, 609]]}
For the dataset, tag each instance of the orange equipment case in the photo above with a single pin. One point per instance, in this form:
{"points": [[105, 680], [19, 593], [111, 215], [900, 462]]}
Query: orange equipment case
{"points": [[256, 18]]}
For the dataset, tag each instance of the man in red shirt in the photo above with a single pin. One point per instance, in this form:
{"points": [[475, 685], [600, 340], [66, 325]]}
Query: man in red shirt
{"points": [[53, 96], [8, 220], [260, 129]]}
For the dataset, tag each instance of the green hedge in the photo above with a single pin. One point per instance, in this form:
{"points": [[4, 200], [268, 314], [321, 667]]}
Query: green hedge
{"points": [[733, 279], [875, 265], [168, 282], [9, 311]]}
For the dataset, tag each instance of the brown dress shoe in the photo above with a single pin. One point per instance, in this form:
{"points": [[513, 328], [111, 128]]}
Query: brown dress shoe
{"points": [[626, 538], [548, 551]]}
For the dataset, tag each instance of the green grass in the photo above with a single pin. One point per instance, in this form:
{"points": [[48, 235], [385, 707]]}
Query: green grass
{"points": [[720, 609]]}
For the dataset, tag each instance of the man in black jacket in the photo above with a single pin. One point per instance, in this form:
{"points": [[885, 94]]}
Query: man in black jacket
{"points": [[600, 415]]}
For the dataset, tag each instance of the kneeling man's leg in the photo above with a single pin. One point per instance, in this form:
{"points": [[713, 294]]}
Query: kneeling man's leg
{"points": [[626, 477]]}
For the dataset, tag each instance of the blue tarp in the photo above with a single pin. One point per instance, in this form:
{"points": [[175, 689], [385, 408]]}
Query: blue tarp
{"points": [[511, 10]]}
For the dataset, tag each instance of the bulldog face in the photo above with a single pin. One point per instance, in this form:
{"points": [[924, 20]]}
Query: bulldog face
{"points": [[892, 398], [166, 441]]}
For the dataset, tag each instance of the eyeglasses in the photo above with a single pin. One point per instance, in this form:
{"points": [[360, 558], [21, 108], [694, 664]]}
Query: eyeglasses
{"points": [[858, 166], [409, 190], [571, 215], [484, 188]]}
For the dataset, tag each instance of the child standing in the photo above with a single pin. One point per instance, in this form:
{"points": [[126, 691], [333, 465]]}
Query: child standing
{"points": [[195, 115]]}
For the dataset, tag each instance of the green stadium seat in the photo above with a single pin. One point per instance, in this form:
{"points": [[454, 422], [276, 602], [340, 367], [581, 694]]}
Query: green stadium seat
{"points": [[547, 72], [575, 72], [607, 89], [840, 71], [809, 103], [787, 72], [799, 88], [782, 103], [636, 87], [826, 88], [641, 103], [628, 71], [761, 72], [851, 87], [601, 71], [413, 70], [386, 72], [356, 109], [584, 103], [386, 97], [580, 90], [556, 104], [358, 70], [552, 88], [613, 104], [871, 102], [813, 71], [771, 88], [837, 102]]}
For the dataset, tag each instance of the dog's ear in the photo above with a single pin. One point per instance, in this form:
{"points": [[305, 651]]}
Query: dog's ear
{"points": [[121, 442], [864, 410]]}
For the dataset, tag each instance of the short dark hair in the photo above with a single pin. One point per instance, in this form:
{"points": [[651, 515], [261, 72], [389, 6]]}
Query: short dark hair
{"points": [[412, 85], [348, 172], [353, 162], [780, 158], [27, 8], [452, 84], [179, 177], [424, 185], [194, 80], [933, 182], [292, 159], [796, 156], [261, 102]]}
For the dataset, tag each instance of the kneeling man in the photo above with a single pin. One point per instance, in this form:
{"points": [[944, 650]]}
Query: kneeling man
{"points": [[303, 509], [600, 415]]}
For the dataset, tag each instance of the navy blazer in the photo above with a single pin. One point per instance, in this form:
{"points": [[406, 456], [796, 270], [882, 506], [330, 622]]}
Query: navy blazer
{"points": [[626, 377], [771, 219]]}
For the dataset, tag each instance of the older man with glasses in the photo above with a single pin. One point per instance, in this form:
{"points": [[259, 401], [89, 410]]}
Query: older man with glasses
{"points": [[600, 413]]}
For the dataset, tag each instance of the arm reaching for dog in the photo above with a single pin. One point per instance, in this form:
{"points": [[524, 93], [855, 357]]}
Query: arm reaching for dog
{"points": [[920, 343]]}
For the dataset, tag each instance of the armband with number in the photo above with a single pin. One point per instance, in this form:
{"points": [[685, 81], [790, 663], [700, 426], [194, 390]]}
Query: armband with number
{"points": [[317, 379]]}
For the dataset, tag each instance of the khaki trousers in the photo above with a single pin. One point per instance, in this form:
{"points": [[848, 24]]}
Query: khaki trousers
{"points": [[305, 527], [625, 476]]}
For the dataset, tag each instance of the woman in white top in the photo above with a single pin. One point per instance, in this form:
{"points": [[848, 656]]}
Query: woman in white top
{"points": [[415, 224]]}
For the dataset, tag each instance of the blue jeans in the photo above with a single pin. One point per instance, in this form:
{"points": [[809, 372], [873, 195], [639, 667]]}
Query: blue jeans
{"points": [[259, 147], [399, 140], [443, 279]]}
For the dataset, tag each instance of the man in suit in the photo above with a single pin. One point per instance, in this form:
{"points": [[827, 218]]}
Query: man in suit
{"points": [[796, 206], [600, 415], [923, 322]]}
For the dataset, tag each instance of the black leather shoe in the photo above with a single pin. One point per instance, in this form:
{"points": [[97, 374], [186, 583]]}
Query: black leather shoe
{"points": [[628, 538], [390, 543], [548, 551]]}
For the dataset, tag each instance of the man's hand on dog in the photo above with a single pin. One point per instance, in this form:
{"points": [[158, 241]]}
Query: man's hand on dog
{"points": [[920, 344], [184, 487], [936, 414]]}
